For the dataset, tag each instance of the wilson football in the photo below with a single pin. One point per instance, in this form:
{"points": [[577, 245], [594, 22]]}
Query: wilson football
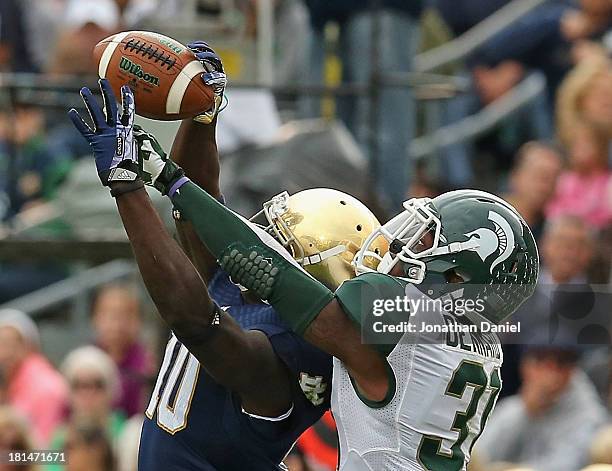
{"points": [[163, 74]]}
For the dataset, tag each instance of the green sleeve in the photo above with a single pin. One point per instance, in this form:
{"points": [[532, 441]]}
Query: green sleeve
{"points": [[251, 260], [361, 295]]}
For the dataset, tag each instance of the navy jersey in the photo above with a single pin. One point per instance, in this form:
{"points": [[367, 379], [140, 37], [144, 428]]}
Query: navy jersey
{"points": [[195, 424]]}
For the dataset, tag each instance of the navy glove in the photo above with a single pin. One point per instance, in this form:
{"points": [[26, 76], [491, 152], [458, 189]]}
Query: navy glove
{"points": [[112, 136], [214, 77]]}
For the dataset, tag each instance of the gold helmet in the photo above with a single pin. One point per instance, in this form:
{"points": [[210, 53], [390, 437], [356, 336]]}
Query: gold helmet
{"points": [[323, 229]]}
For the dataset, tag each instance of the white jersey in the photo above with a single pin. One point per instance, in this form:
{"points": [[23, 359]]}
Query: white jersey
{"points": [[445, 390]]}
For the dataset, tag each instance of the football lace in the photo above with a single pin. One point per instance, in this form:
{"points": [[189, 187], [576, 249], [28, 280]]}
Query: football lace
{"points": [[147, 50]]}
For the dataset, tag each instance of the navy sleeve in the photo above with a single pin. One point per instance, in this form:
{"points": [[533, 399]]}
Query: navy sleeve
{"points": [[305, 361]]}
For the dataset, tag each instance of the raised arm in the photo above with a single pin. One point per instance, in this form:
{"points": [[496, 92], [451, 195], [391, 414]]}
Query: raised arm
{"points": [[243, 361], [195, 150], [181, 297]]}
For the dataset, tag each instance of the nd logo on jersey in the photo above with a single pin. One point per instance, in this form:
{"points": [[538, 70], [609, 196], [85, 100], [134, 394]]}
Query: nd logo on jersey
{"points": [[313, 388]]}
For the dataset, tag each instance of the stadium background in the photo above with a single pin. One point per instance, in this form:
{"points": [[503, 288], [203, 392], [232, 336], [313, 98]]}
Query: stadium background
{"points": [[382, 99]]}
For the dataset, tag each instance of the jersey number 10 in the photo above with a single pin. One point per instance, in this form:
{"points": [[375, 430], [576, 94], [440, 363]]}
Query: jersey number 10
{"points": [[174, 403]]}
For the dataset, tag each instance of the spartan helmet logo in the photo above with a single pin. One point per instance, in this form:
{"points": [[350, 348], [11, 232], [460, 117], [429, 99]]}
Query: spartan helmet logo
{"points": [[500, 241]]}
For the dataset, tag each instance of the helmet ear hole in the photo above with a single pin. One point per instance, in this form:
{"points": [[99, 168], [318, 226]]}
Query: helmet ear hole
{"points": [[451, 276], [358, 228]]}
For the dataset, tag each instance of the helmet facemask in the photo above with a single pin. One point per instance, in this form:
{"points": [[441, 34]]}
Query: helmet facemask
{"points": [[405, 233]]}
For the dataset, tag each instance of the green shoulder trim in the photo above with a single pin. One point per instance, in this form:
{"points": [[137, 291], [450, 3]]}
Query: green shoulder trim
{"points": [[390, 392]]}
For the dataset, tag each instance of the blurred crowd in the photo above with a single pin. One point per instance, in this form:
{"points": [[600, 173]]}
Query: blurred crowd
{"points": [[551, 159], [94, 401]]}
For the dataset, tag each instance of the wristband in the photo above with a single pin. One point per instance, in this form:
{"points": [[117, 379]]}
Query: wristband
{"points": [[176, 185], [118, 190], [197, 335]]}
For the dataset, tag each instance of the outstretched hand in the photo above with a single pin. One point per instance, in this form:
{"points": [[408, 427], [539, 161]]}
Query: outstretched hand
{"points": [[214, 77], [112, 135]]}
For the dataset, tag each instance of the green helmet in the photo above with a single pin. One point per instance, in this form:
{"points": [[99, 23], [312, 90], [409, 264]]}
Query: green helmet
{"points": [[481, 249]]}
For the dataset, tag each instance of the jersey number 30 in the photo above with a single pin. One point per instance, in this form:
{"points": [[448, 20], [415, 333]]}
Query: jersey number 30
{"points": [[472, 374], [171, 401]]}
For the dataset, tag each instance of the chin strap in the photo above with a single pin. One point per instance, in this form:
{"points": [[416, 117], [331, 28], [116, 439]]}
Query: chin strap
{"points": [[455, 247], [319, 257]]}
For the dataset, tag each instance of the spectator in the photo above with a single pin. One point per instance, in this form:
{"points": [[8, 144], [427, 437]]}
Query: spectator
{"points": [[585, 189], [591, 20], [495, 68], [532, 182], [393, 124], [566, 250], [586, 96], [94, 384], [87, 22], [89, 449], [14, 436], [35, 388], [30, 169], [541, 40], [551, 422], [117, 324]]}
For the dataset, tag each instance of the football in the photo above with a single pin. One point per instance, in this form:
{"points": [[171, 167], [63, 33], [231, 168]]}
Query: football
{"points": [[163, 74]]}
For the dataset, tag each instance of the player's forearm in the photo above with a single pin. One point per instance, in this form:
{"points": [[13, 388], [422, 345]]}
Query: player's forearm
{"points": [[195, 150], [197, 252], [247, 255], [177, 290]]}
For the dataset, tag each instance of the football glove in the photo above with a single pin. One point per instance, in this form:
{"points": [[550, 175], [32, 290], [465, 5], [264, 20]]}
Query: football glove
{"points": [[112, 137], [157, 169], [214, 77]]}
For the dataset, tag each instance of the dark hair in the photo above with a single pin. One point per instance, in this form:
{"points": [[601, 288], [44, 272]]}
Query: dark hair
{"points": [[561, 356]]}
